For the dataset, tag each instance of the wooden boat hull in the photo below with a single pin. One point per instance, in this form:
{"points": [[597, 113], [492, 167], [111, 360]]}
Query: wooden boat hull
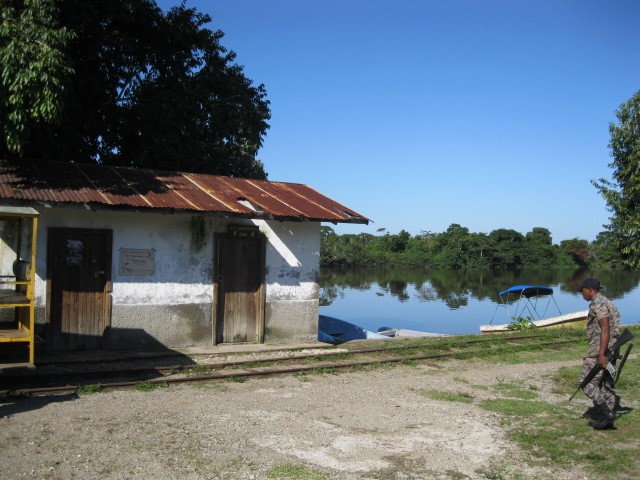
{"points": [[569, 320]]}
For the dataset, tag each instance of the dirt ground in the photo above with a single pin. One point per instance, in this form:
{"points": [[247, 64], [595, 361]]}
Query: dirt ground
{"points": [[375, 424]]}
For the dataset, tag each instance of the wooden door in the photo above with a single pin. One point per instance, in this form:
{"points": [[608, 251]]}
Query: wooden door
{"points": [[79, 274], [239, 289]]}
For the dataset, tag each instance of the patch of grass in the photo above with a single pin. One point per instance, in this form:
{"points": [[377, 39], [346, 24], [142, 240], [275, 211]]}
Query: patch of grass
{"points": [[521, 408], [213, 386], [380, 366], [236, 379], [515, 390], [404, 351], [89, 389], [409, 362], [492, 474], [629, 383], [462, 397], [200, 369], [361, 368], [322, 371], [289, 471], [521, 323], [149, 386], [254, 364], [302, 376], [565, 380], [555, 436], [329, 357], [13, 395]]}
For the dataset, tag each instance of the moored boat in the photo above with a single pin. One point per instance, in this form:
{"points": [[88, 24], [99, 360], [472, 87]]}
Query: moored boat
{"points": [[575, 319], [334, 330], [405, 333], [523, 303]]}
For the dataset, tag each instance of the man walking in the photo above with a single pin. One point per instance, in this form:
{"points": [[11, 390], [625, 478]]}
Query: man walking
{"points": [[603, 329]]}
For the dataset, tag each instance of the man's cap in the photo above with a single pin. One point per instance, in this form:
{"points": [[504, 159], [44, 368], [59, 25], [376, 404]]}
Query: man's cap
{"points": [[590, 283]]}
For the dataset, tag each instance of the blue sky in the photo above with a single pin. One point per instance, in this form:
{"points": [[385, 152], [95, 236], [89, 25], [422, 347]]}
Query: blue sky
{"points": [[419, 114]]}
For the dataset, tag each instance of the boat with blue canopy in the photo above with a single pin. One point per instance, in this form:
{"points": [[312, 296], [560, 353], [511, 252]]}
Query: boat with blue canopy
{"points": [[533, 305]]}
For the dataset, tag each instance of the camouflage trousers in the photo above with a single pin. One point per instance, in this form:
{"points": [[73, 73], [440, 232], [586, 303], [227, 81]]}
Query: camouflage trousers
{"points": [[600, 390]]}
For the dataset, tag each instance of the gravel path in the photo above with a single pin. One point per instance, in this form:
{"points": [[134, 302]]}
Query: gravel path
{"points": [[374, 424]]}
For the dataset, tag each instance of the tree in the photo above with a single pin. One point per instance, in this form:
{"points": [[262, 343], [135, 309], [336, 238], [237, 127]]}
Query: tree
{"points": [[578, 250], [449, 247], [148, 89], [34, 69], [604, 250], [538, 249], [623, 193], [506, 249]]}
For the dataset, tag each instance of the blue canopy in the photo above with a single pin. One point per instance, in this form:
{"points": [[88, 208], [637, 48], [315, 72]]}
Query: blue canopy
{"points": [[525, 299], [528, 291]]}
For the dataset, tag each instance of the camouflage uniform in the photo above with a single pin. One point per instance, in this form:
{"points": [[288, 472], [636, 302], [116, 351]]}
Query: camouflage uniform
{"points": [[600, 390]]}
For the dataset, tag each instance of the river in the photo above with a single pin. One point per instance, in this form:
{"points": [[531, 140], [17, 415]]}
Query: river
{"points": [[458, 302]]}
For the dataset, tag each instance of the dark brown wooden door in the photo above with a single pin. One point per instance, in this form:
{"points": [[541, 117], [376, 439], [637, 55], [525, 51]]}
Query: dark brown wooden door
{"points": [[79, 272], [240, 290]]}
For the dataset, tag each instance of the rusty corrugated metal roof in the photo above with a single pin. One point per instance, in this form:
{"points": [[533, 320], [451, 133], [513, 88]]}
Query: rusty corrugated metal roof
{"points": [[30, 182]]}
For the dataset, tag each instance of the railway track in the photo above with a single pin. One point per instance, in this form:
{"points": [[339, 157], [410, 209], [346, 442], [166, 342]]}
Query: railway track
{"points": [[68, 378]]}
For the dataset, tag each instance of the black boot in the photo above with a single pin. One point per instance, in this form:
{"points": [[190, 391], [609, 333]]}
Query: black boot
{"points": [[605, 419], [592, 413]]}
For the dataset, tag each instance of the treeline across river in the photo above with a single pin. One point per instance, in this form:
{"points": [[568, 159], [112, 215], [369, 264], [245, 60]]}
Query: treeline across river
{"points": [[457, 248]]}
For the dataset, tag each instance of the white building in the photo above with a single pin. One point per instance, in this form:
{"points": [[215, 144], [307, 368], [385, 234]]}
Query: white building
{"points": [[130, 259]]}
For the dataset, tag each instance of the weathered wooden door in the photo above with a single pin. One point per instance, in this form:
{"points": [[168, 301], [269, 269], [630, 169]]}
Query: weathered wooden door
{"points": [[79, 274], [239, 289]]}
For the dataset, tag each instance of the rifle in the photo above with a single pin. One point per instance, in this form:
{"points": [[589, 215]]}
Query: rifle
{"points": [[612, 355]]}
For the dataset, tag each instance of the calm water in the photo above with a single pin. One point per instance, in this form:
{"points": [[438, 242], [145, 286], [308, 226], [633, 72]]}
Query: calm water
{"points": [[457, 302]]}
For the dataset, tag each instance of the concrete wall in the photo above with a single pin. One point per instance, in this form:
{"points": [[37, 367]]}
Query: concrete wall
{"points": [[293, 266], [172, 307]]}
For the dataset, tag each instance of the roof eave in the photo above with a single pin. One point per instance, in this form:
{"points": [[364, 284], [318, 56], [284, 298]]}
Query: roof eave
{"points": [[172, 211]]}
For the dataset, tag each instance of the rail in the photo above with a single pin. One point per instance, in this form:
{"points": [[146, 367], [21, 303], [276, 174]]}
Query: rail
{"points": [[66, 380]]}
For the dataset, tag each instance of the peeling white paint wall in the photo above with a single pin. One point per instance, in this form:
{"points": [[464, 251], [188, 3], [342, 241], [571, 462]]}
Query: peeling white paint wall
{"points": [[173, 306], [181, 274], [293, 267]]}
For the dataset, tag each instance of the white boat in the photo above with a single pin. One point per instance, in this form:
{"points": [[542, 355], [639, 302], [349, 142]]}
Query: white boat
{"points": [[404, 333], [575, 319], [522, 305]]}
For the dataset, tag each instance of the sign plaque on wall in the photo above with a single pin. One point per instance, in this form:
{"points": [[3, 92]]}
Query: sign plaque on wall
{"points": [[243, 230], [137, 261]]}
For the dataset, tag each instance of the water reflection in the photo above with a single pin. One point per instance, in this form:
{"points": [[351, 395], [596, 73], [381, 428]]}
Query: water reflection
{"points": [[455, 301]]}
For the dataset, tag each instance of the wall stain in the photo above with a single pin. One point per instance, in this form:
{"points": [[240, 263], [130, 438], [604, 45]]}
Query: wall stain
{"points": [[198, 233]]}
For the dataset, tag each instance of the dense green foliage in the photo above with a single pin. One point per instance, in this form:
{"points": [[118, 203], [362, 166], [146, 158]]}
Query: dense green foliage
{"points": [[33, 68], [623, 194], [123, 83], [457, 248]]}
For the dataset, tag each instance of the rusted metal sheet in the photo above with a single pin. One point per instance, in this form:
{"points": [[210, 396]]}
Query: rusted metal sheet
{"points": [[71, 183]]}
